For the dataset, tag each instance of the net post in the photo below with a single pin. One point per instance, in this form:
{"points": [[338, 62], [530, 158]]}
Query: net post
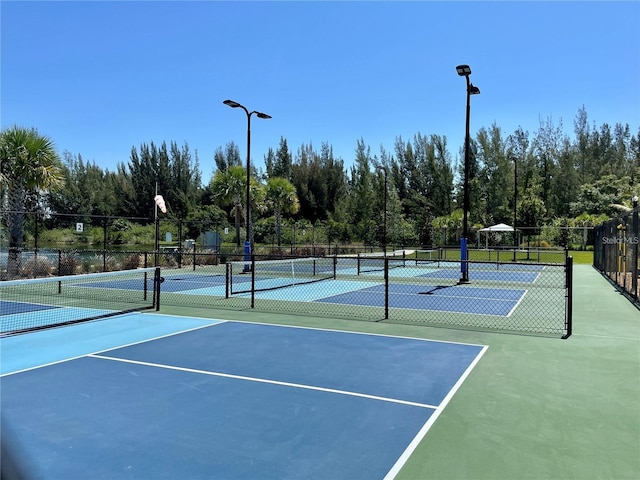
{"points": [[157, 280], [227, 279], [144, 286], [568, 319], [335, 267], [358, 264]]}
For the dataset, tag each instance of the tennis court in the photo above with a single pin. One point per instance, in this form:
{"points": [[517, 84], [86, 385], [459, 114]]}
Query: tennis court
{"points": [[228, 399], [149, 392], [433, 288], [495, 301]]}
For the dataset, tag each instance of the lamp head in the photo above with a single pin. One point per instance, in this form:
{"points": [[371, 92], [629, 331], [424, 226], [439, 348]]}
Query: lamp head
{"points": [[232, 104], [262, 115], [473, 90], [463, 70]]}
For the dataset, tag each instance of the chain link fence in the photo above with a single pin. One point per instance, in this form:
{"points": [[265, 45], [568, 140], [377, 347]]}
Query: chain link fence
{"points": [[616, 253], [53, 244], [416, 287], [537, 276]]}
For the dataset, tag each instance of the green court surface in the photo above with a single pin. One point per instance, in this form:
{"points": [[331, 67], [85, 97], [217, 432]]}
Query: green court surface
{"points": [[534, 407]]}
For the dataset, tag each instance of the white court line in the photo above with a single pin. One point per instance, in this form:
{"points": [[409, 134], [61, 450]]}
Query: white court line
{"points": [[517, 303], [432, 419], [353, 332], [264, 380]]}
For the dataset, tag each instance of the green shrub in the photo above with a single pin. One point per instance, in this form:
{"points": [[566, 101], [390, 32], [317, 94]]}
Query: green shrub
{"points": [[132, 262], [111, 264], [69, 263], [36, 267], [209, 257]]}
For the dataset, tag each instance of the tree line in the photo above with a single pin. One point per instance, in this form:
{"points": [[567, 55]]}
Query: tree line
{"points": [[562, 180]]}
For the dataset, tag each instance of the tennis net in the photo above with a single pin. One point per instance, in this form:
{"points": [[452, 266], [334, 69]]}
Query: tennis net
{"points": [[261, 275], [33, 304], [375, 262]]}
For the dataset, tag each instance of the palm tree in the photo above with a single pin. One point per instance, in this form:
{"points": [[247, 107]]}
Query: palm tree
{"points": [[228, 186], [281, 198], [29, 165]]}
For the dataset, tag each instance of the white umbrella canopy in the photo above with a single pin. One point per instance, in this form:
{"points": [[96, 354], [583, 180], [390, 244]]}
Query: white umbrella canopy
{"points": [[500, 227]]}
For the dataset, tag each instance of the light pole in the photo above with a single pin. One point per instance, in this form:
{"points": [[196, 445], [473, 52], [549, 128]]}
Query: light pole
{"points": [[465, 71], [384, 220], [232, 104]]}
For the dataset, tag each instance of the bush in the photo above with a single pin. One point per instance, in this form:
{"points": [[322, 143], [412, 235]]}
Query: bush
{"points": [[208, 257], [69, 263], [111, 264], [132, 262], [93, 264], [36, 267]]}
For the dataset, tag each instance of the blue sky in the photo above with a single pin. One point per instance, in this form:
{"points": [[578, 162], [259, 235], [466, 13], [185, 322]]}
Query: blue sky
{"points": [[99, 78]]}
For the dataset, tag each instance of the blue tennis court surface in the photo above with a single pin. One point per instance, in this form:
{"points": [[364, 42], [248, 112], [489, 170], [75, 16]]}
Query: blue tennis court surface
{"points": [[443, 298], [228, 400]]}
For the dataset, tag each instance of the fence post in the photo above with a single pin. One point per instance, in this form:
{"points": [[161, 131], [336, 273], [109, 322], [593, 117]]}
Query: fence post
{"points": [[104, 244], [180, 243], [568, 316], [634, 267]]}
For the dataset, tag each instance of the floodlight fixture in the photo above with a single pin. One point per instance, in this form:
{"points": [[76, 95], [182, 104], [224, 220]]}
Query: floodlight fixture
{"points": [[232, 104], [463, 70]]}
